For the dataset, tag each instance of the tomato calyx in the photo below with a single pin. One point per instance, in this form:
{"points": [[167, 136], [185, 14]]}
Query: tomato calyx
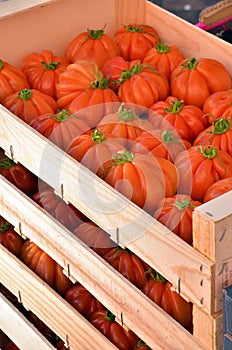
{"points": [[62, 116], [4, 226], [50, 65], [169, 138], [208, 152], [183, 204], [141, 343], [161, 47], [155, 276], [122, 158], [221, 126], [190, 63], [97, 136], [6, 163], [1, 64], [126, 114], [96, 34], [25, 94], [99, 83], [175, 108], [110, 316], [135, 69]]}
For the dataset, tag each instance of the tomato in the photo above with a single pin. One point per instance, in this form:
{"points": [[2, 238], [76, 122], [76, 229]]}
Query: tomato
{"points": [[112, 70], [218, 104], [60, 128], [134, 40], [218, 188], [160, 291], [41, 326], [176, 214], [141, 346], [142, 178], [45, 267], [61, 345], [11, 346], [199, 167], [125, 124], [42, 70], [12, 79], [18, 175], [28, 104], [64, 212], [194, 80], [9, 238], [92, 45], [164, 144], [128, 264], [105, 322], [76, 78], [163, 57], [172, 114], [219, 135], [97, 93], [83, 301]]}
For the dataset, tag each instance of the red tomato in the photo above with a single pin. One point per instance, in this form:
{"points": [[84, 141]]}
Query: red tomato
{"points": [[9, 238], [93, 45], [42, 70], [219, 135], [134, 40], [41, 326], [218, 104], [28, 104], [12, 79], [141, 346], [18, 175], [218, 188], [172, 114], [45, 267], [194, 80], [60, 345], [83, 301], [60, 128], [176, 214], [105, 322], [11, 346], [199, 167]]}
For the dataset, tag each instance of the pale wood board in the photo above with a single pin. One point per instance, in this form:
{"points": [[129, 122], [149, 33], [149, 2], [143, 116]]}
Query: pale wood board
{"points": [[19, 329], [51, 308], [105, 283], [212, 235]]}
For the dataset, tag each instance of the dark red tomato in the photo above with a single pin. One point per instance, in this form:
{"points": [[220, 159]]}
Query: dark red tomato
{"points": [[11, 346], [9, 238], [83, 301], [41, 326], [128, 264], [218, 104], [218, 188], [45, 267], [61, 346], [176, 214], [141, 346], [105, 322], [18, 175]]}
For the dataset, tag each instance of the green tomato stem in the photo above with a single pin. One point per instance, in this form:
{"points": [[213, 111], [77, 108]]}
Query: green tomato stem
{"points": [[6, 163], [1, 64], [126, 114], [25, 94], [110, 316], [51, 65], [161, 47], [169, 138], [221, 126], [176, 107], [183, 204], [190, 63], [97, 136], [4, 227], [62, 116]]}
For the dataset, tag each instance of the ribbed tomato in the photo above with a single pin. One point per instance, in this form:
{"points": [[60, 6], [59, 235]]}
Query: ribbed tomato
{"points": [[163, 57], [176, 214], [173, 114], [42, 70], [141, 178], [112, 70], [194, 80], [218, 188], [134, 40], [9, 238], [83, 301], [28, 104], [105, 322], [92, 45], [219, 135], [12, 79], [141, 346], [218, 104], [60, 128], [199, 167], [45, 267], [94, 150]]}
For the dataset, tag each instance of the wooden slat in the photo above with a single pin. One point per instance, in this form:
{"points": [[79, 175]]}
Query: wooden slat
{"points": [[105, 283], [52, 309], [110, 210], [19, 329], [212, 235]]}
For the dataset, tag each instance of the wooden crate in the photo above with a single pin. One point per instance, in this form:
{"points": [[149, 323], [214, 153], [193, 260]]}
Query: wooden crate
{"points": [[198, 273]]}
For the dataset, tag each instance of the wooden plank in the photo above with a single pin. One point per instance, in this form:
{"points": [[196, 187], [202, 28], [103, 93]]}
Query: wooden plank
{"points": [[105, 283], [208, 329], [51, 308], [212, 235], [19, 329], [12, 7], [110, 210]]}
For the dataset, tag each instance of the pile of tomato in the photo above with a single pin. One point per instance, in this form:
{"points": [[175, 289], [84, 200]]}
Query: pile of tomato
{"points": [[152, 123]]}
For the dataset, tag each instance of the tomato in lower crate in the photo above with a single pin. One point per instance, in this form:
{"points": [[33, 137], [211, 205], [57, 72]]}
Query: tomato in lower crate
{"points": [[11, 346], [45, 267], [105, 322], [41, 326], [161, 292], [61, 345], [18, 175], [128, 264], [141, 345], [83, 301], [9, 238], [218, 188]]}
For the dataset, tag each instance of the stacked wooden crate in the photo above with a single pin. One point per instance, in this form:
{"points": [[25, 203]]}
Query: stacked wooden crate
{"points": [[198, 273]]}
